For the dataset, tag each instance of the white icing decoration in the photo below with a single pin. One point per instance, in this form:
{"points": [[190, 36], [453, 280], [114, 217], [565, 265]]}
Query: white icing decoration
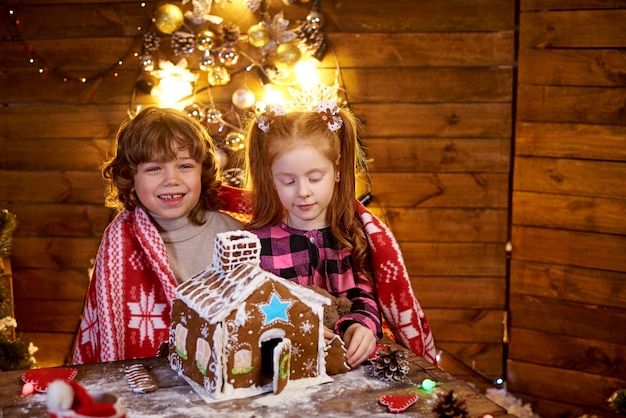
{"points": [[306, 327], [242, 316], [271, 334]]}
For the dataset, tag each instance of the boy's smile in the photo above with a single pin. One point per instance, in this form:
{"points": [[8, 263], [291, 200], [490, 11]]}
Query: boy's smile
{"points": [[169, 189]]}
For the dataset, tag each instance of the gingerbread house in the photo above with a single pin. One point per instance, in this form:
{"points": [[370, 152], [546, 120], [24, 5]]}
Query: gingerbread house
{"points": [[239, 331]]}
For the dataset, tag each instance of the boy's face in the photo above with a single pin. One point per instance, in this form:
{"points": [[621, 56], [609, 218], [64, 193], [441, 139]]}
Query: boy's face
{"points": [[304, 180], [169, 189]]}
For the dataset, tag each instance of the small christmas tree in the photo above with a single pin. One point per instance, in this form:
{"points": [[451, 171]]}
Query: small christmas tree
{"points": [[15, 353], [617, 401]]}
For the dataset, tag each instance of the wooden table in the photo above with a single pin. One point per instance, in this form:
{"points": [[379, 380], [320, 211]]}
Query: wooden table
{"points": [[350, 394]]}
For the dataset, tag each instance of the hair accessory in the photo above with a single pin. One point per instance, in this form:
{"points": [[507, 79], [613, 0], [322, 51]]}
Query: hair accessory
{"points": [[329, 112], [264, 121]]}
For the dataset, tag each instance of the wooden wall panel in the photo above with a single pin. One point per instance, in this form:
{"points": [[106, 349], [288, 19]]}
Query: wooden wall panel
{"points": [[431, 81], [568, 234]]}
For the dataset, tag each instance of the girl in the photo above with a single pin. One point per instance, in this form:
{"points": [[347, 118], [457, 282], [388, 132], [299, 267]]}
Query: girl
{"points": [[165, 180], [302, 169]]}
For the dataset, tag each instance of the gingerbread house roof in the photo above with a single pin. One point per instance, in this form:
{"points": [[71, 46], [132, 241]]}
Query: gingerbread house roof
{"points": [[223, 287]]}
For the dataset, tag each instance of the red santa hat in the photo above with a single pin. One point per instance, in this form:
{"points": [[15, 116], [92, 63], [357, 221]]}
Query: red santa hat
{"points": [[71, 399]]}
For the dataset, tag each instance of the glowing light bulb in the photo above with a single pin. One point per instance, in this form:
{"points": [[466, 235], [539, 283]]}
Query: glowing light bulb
{"points": [[307, 73], [428, 384], [272, 96]]}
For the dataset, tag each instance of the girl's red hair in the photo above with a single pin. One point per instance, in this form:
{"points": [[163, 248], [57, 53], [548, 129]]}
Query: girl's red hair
{"points": [[298, 129]]}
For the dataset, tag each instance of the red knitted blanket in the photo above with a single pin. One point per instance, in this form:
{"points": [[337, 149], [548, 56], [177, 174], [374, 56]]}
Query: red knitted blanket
{"points": [[128, 305]]}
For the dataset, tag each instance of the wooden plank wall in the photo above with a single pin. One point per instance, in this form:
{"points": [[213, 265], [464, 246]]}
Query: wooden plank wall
{"points": [[568, 268], [433, 85], [432, 82]]}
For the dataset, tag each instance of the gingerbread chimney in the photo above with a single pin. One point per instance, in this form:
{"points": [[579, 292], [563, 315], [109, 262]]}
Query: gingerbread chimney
{"points": [[235, 247]]}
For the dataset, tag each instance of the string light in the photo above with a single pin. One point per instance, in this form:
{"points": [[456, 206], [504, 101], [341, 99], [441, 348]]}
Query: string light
{"points": [[44, 67], [428, 384]]}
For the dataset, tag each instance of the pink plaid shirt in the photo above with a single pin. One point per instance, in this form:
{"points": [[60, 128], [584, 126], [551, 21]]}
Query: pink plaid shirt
{"points": [[316, 258]]}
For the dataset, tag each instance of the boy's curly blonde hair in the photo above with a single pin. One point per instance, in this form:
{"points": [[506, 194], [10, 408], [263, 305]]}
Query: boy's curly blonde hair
{"points": [[159, 134]]}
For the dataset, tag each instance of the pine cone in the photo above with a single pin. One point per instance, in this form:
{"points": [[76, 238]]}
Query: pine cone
{"points": [[183, 43], [230, 33], [390, 365], [311, 40], [151, 41], [450, 406]]}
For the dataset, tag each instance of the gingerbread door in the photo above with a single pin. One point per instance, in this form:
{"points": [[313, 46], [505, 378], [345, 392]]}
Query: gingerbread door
{"points": [[282, 363]]}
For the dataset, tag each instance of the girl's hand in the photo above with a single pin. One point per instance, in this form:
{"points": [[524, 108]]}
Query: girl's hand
{"points": [[360, 341], [328, 335]]}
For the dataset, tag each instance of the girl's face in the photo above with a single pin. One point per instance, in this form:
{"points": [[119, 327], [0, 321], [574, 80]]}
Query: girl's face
{"points": [[169, 189], [304, 180]]}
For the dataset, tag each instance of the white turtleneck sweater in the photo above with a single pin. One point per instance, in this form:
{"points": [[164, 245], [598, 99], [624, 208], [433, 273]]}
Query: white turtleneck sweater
{"points": [[190, 247]]}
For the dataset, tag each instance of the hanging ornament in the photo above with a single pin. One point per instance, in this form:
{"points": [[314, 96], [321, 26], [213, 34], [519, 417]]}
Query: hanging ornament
{"points": [[213, 116], [230, 33], [228, 56], [147, 63], [183, 43], [286, 56], [277, 27], [218, 76], [205, 40], [201, 12], [316, 20], [151, 41], [195, 111], [168, 18], [206, 61], [175, 81], [312, 40], [222, 158], [258, 35], [234, 177], [253, 5], [234, 141], [243, 98]]}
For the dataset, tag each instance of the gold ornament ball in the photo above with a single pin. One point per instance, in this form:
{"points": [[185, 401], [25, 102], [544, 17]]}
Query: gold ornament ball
{"points": [[147, 63], [168, 18], [218, 76], [286, 56], [228, 56], [204, 40], [243, 98], [258, 35], [195, 111], [234, 141], [213, 116], [206, 61], [316, 20], [222, 158]]}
